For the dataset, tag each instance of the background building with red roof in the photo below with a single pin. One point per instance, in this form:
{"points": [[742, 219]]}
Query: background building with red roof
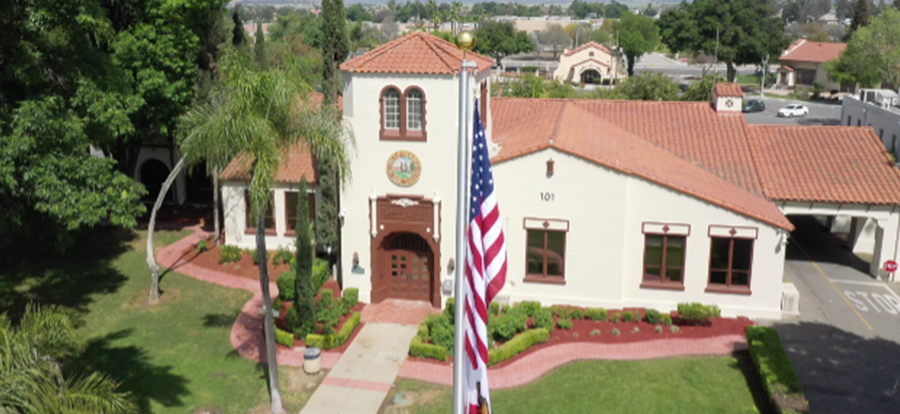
{"points": [[603, 203], [803, 64]]}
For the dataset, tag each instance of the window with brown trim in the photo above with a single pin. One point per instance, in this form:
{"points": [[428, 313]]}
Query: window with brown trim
{"points": [[730, 264], [269, 218], [403, 114], [545, 256], [290, 210], [664, 261]]}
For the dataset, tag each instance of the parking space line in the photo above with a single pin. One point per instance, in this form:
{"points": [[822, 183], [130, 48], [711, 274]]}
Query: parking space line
{"points": [[833, 286], [857, 282]]}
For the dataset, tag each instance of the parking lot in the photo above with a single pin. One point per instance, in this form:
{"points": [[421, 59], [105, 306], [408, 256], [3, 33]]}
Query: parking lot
{"points": [[819, 113], [845, 345]]}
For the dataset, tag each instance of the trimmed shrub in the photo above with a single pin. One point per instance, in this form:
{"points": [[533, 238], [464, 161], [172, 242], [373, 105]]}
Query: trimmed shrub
{"points": [[351, 297], [329, 341], [530, 307], [658, 329], [450, 309], [698, 313], [494, 309], [517, 345], [286, 289], [653, 316], [328, 292], [418, 348], [637, 316], [674, 329], [321, 272], [543, 318], [576, 314], [615, 331], [564, 323], [284, 338], [509, 324], [440, 331], [254, 256], [276, 304], [635, 330], [229, 254], [595, 332], [628, 316], [282, 256], [774, 368], [560, 311], [596, 314], [666, 319], [615, 318], [202, 246]]}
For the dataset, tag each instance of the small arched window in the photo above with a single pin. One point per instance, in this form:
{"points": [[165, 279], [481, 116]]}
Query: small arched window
{"points": [[391, 102], [414, 110]]}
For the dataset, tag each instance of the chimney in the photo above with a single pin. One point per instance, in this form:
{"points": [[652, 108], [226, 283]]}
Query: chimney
{"points": [[727, 98]]}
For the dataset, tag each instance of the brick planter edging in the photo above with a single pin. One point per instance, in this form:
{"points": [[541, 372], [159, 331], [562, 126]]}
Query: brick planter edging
{"points": [[533, 366], [246, 332]]}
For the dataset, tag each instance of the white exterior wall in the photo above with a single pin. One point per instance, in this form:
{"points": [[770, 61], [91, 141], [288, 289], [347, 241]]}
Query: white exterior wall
{"points": [[605, 243], [821, 73], [883, 121], [235, 210], [438, 157]]}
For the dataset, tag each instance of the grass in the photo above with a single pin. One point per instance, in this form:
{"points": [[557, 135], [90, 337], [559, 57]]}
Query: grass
{"points": [[670, 386], [747, 80], [173, 357]]}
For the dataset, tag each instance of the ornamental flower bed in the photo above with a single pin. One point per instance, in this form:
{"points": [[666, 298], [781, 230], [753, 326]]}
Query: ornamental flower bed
{"points": [[338, 319], [516, 331]]}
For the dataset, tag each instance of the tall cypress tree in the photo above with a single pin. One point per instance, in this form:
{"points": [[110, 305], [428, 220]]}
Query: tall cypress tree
{"points": [[302, 316], [335, 44], [262, 58], [237, 33], [861, 17]]}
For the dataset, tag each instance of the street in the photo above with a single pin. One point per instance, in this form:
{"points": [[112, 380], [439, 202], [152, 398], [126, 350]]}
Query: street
{"points": [[844, 345], [657, 62], [819, 113]]}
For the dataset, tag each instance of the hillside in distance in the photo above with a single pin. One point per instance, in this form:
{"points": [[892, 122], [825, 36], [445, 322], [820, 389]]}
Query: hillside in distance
{"points": [[300, 3]]}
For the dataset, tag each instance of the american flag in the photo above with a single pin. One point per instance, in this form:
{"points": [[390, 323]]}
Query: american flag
{"points": [[485, 266]]}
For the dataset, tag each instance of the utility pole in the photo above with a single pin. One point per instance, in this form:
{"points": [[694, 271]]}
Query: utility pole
{"points": [[765, 74]]}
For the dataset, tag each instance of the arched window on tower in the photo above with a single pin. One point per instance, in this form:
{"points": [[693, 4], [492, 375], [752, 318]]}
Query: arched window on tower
{"points": [[391, 102], [414, 108]]}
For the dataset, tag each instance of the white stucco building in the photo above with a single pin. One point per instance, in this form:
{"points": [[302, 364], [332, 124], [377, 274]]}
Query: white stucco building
{"points": [[591, 63], [603, 203], [803, 63]]}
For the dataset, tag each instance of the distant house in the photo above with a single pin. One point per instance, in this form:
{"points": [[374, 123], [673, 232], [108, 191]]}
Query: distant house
{"points": [[803, 64], [591, 63]]}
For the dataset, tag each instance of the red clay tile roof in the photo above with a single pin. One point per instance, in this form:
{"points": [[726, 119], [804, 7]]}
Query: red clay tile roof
{"points": [[417, 52], [786, 68], [824, 164], [573, 127], [587, 45], [297, 160], [816, 52], [729, 89]]}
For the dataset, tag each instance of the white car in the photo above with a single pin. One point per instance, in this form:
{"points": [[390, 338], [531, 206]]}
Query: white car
{"points": [[793, 110]]}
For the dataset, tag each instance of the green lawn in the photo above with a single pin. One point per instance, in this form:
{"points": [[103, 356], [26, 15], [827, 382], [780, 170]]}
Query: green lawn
{"points": [[670, 386], [174, 357]]}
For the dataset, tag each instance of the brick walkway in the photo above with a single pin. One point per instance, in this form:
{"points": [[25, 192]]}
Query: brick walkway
{"points": [[246, 333], [535, 365]]}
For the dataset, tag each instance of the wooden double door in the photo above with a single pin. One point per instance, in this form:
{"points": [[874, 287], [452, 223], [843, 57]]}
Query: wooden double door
{"points": [[407, 267]]}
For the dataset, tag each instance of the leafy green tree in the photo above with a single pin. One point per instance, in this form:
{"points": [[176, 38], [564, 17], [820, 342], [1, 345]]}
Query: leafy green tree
{"points": [[637, 35], [302, 316], [843, 9], [262, 58], [862, 13], [737, 31], [259, 114], [555, 37], [701, 90], [501, 39], [872, 56], [358, 13], [295, 23], [649, 86], [237, 37], [31, 376], [335, 45]]}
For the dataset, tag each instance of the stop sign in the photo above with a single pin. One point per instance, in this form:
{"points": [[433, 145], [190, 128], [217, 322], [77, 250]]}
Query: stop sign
{"points": [[890, 266]]}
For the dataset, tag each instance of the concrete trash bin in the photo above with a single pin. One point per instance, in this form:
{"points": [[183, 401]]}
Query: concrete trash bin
{"points": [[312, 360]]}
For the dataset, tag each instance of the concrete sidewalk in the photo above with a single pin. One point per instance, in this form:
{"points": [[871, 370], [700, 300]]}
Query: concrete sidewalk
{"points": [[361, 379]]}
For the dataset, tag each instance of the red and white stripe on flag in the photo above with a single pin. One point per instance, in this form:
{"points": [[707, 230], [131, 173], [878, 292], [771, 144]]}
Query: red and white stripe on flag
{"points": [[485, 266]]}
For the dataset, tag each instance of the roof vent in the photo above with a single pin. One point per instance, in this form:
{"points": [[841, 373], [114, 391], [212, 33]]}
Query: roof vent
{"points": [[727, 98]]}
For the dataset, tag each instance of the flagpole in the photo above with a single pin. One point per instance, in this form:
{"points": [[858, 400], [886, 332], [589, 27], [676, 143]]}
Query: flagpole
{"points": [[464, 42]]}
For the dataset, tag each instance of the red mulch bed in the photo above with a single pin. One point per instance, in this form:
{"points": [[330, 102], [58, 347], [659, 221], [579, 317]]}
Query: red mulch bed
{"points": [[243, 268], [581, 332], [336, 293]]}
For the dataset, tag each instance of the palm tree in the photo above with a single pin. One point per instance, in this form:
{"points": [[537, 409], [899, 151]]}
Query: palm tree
{"points": [[31, 381], [260, 114]]}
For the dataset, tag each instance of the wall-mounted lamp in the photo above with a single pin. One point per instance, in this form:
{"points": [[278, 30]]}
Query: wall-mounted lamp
{"points": [[550, 167], [355, 259], [451, 265]]}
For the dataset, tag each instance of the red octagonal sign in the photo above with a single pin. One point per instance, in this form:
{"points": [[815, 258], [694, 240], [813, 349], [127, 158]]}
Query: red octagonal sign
{"points": [[890, 266]]}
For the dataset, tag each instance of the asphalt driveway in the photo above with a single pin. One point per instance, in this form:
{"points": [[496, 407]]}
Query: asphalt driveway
{"points": [[819, 113], [845, 345]]}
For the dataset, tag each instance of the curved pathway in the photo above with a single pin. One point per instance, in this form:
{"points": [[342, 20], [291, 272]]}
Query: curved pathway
{"points": [[535, 365], [247, 332]]}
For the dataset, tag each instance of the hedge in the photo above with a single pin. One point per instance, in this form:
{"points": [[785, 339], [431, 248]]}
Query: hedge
{"points": [[284, 338], [775, 369], [285, 282], [334, 340], [697, 312], [517, 345], [351, 297], [417, 348], [596, 314]]}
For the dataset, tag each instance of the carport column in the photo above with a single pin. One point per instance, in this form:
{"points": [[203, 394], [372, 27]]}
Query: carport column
{"points": [[885, 244], [862, 234]]}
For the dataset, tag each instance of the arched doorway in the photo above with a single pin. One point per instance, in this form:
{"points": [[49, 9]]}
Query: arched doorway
{"points": [[199, 185], [590, 76], [153, 174], [406, 268]]}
